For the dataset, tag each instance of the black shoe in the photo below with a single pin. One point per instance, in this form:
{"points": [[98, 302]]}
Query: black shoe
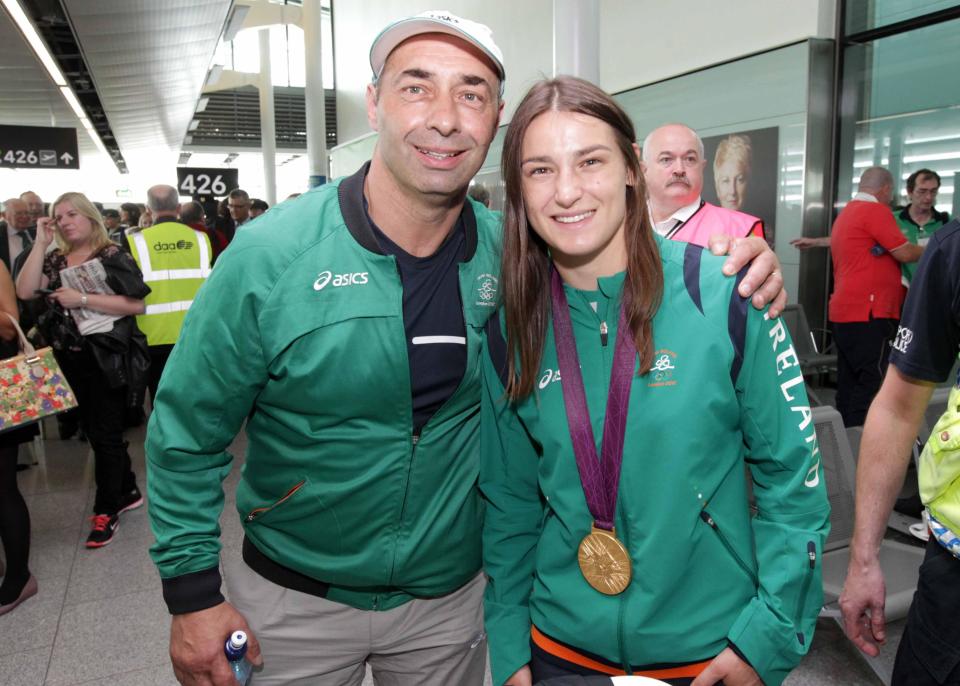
{"points": [[130, 501], [104, 528]]}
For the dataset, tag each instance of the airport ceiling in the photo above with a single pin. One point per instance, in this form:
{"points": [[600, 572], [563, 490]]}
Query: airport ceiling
{"points": [[137, 66]]}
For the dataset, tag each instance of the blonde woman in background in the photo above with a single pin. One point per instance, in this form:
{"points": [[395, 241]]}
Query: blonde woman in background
{"points": [[731, 171], [96, 365]]}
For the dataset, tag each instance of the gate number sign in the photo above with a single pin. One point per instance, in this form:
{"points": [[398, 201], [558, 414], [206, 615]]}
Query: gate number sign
{"points": [[196, 181], [38, 147]]}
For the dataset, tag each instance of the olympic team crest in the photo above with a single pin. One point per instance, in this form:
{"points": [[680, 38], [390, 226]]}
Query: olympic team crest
{"points": [[487, 290], [663, 370]]}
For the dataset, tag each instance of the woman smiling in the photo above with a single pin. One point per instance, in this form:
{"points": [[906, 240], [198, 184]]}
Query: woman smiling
{"points": [[635, 553]]}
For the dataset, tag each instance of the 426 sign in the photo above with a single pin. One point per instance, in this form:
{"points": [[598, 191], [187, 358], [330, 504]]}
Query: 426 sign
{"points": [[38, 147], [197, 181]]}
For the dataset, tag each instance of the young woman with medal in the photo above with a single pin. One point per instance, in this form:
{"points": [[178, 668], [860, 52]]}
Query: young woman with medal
{"points": [[626, 385]]}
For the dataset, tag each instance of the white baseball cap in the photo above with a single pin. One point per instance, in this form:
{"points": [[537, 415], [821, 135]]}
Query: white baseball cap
{"points": [[435, 21]]}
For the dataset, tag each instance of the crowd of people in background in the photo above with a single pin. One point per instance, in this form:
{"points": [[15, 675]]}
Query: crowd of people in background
{"points": [[111, 367]]}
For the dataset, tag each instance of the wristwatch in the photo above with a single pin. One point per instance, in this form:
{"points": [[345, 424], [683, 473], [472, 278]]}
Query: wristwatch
{"points": [[83, 301]]}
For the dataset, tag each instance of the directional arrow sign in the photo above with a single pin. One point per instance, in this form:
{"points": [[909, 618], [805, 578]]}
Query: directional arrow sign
{"points": [[38, 147]]}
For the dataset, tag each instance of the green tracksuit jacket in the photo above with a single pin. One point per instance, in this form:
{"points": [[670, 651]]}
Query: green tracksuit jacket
{"points": [[299, 332], [725, 391]]}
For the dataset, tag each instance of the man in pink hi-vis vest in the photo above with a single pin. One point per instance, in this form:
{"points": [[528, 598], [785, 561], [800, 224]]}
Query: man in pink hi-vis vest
{"points": [[673, 163]]}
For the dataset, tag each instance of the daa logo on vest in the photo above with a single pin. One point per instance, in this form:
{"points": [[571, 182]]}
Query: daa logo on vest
{"points": [[161, 246]]}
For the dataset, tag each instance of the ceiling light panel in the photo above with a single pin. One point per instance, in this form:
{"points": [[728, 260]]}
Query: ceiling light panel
{"points": [[149, 63]]}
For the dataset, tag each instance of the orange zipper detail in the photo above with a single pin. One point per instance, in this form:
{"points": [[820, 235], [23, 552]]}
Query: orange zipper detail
{"points": [[257, 511]]}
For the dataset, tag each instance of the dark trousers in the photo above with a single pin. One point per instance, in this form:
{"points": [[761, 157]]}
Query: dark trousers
{"points": [[14, 526], [101, 416], [929, 653], [863, 349], [159, 354]]}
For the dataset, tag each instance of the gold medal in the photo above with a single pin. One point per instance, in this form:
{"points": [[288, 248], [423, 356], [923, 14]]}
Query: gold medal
{"points": [[604, 561]]}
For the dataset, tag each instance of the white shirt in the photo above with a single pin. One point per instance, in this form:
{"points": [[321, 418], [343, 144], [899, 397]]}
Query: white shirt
{"points": [[675, 219], [866, 197]]}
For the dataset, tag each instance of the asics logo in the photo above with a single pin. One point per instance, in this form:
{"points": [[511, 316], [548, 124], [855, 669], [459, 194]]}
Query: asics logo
{"points": [[337, 280], [549, 376]]}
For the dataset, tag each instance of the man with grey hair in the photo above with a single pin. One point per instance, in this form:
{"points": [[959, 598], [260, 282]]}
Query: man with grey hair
{"points": [[673, 163], [175, 260], [867, 249], [164, 203], [34, 206], [18, 236]]}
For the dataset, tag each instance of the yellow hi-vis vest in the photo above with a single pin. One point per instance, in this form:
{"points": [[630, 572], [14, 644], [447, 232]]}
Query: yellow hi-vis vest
{"points": [[939, 475], [175, 261]]}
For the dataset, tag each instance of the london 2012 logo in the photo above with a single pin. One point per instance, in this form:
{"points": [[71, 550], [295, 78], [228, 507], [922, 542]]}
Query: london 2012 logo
{"points": [[663, 368], [487, 290]]}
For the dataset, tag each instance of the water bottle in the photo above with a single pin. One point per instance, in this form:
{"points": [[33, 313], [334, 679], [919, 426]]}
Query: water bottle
{"points": [[236, 651]]}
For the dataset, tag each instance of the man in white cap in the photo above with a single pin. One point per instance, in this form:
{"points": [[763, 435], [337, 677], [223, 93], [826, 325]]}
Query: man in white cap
{"points": [[344, 328]]}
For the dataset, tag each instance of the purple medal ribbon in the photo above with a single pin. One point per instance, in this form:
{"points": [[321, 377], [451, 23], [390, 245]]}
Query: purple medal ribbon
{"points": [[600, 477]]}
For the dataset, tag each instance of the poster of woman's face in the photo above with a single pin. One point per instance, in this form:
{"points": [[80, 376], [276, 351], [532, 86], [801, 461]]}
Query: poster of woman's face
{"points": [[741, 173]]}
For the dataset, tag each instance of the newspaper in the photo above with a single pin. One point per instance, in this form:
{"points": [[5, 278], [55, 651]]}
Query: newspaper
{"points": [[89, 277]]}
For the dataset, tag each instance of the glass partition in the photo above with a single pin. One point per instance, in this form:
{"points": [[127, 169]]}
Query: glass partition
{"points": [[864, 15], [899, 110]]}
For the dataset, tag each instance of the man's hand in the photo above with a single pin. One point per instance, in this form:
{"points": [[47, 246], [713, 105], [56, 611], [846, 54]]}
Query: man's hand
{"points": [[728, 667], [522, 677], [196, 645], [862, 603], [764, 271], [805, 243]]}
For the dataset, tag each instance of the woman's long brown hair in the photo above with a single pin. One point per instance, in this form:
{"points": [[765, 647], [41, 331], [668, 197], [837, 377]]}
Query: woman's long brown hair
{"points": [[525, 269]]}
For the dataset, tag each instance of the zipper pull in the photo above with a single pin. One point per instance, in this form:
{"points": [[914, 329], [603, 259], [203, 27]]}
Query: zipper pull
{"points": [[416, 438], [812, 553], [603, 334], [705, 516]]}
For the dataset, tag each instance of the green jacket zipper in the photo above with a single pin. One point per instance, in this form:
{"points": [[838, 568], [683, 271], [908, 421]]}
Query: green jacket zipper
{"points": [[812, 559], [705, 516], [260, 511]]}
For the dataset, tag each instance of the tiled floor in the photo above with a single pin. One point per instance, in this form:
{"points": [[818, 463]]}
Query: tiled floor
{"points": [[99, 618]]}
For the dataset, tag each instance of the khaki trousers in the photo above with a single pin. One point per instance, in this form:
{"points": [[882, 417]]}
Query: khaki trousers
{"points": [[309, 640]]}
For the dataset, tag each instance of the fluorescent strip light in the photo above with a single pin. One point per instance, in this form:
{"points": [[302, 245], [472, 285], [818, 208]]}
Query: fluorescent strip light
{"points": [[931, 139], [71, 99], [930, 158], [33, 38], [202, 104], [46, 59], [194, 124]]}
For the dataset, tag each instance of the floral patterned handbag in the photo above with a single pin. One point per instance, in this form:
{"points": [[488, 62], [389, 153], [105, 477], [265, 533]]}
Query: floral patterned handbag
{"points": [[31, 386]]}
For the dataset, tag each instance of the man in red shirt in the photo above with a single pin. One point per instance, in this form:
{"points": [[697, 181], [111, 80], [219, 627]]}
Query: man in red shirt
{"points": [[867, 249]]}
